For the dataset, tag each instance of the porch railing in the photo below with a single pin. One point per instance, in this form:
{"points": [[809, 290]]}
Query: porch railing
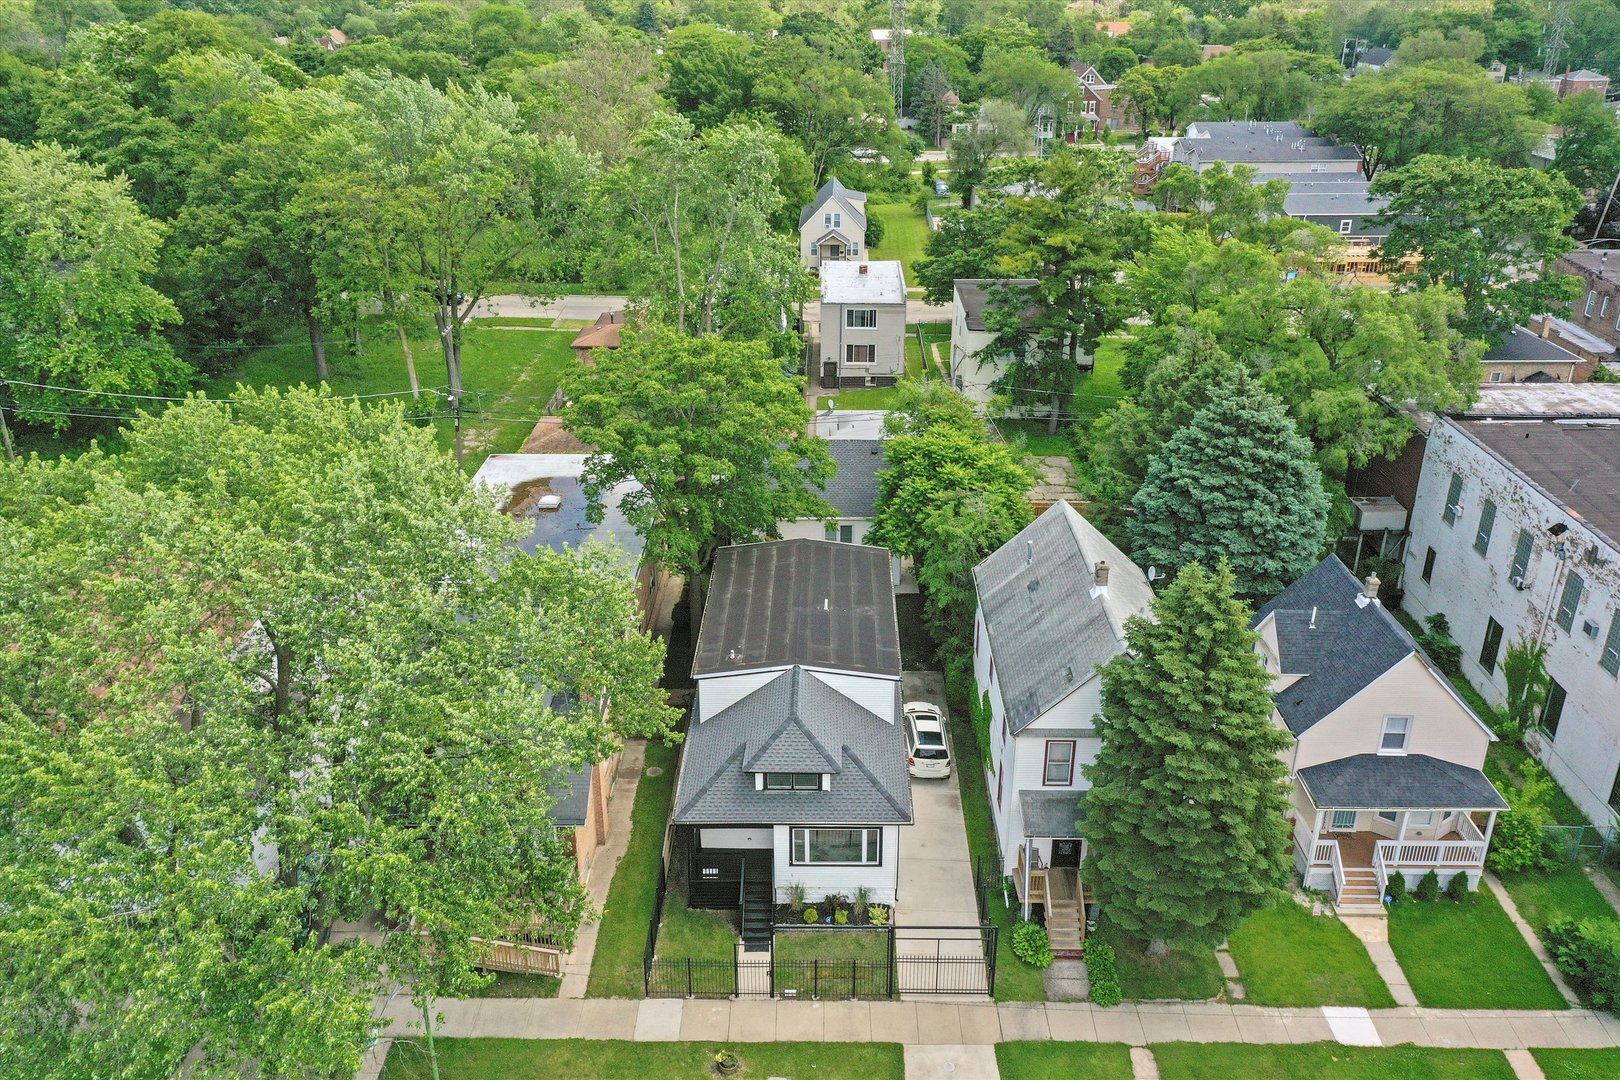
{"points": [[1468, 830], [1381, 872], [1336, 863], [1436, 853]]}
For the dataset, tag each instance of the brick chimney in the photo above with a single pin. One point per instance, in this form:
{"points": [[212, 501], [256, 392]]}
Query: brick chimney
{"points": [[1369, 588], [1102, 574], [863, 268]]}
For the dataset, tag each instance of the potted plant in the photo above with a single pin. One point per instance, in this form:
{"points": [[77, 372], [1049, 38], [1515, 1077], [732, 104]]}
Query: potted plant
{"points": [[726, 1063]]}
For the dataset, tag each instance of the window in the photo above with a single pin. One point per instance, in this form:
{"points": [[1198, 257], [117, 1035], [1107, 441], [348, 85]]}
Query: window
{"points": [[1345, 225], [1552, 710], [815, 249], [998, 789], [860, 318], [1496, 376], [841, 534], [848, 847], [854, 248], [1453, 500], [1570, 600], [1343, 821], [1059, 763], [1610, 660], [1522, 547], [860, 354], [1614, 792], [1396, 730], [1487, 522], [1428, 565], [1390, 816], [1420, 817], [1617, 321], [792, 781], [1591, 299], [1492, 646], [833, 220], [1603, 306]]}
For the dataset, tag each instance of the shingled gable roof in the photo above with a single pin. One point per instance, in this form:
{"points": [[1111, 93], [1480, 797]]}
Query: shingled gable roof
{"points": [[1048, 634], [855, 200], [794, 723], [1337, 647]]}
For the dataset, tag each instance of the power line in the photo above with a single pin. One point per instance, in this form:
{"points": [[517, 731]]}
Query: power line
{"points": [[195, 395]]}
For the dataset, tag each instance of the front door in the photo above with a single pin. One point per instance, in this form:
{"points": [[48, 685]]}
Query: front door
{"points": [[1065, 853], [1343, 821]]}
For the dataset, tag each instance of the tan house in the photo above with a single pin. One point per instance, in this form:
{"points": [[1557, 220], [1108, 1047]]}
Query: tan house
{"points": [[833, 226], [1386, 765], [1526, 357]]}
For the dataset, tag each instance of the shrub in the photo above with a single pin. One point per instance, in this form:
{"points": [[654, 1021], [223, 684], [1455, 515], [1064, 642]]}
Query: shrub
{"points": [[878, 915], [841, 917], [862, 902], [1428, 887], [874, 231], [1104, 974], [810, 916], [1457, 888], [1446, 654], [795, 894], [1516, 842], [1030, 944], [1588, 953], [1396, 889]]}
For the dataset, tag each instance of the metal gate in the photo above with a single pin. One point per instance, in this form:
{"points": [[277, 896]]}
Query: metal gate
{"points": [[945, 959]]}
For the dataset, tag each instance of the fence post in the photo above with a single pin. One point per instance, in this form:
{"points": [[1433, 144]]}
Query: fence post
{"points": [[815, 978], [689, 976], [852, 983], [891, 960], [990, 955]]}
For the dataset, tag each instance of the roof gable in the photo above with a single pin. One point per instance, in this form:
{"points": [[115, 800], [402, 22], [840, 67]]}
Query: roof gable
{"points": [[847, 198]]}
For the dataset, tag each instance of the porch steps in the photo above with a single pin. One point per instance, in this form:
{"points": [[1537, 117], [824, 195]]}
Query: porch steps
{"points": [[757, 904], [1360, 895], [1063, 927]]}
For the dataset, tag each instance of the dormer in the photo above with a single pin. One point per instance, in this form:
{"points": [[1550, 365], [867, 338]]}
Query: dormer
{"points": [[792, 781]]}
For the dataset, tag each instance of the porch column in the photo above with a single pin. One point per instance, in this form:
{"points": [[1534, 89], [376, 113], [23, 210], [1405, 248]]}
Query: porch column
{"points": [[1316, 836], [1400, 833], [1027, 857], [1490, 825]]}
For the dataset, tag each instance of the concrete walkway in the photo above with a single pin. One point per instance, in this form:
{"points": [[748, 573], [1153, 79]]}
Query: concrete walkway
{"points": [[1610, 891], [1373, 930], [1531, 939], [576, 965]]}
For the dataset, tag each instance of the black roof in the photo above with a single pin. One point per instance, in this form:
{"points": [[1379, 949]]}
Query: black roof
{"points": [[810, 602], [1057, 814], [1337, 646], [1523, 346], [1575, 463], [1399, 782], [853, 489], [794, 723], [975, 294]]}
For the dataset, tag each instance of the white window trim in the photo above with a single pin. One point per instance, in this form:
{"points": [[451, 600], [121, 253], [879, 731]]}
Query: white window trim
{"points": [[849, 318], [871, 843], [1496, 376], [1345, 225], [1420, 817], [1333, 821], [849, 356], [1406, 736], [1591, 302]]}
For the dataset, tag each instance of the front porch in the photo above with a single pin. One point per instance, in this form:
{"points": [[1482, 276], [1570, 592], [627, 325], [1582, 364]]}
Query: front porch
{"points": [[1355, 863]]}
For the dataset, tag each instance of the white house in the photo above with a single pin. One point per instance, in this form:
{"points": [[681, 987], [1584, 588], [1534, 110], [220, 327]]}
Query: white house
{"points": [[1516, 537], [794, 768], [852, 493], [863, 324], [1386, 766], [833, 226], [1052, 607], [974, 370]]}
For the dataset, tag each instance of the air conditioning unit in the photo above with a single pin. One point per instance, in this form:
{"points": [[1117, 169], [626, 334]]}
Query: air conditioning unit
{"points": [[1590, 629], [1518, 583]]}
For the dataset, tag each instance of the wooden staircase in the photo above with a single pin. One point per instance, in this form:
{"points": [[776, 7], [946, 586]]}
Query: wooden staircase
{"points": [[1360, 895], [1065, 921]]}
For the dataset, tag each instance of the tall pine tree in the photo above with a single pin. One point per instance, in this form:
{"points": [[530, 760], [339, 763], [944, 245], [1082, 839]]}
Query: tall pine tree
{"points": [[1186, 811], [1238, 483]]}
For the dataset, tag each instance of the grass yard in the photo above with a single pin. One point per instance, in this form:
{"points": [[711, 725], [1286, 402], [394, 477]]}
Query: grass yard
{"points": [[1505, 764], [1100, 390], [695, 935], [622, 938], [905, 234], [1035, 439], [794, 951], [1040, 1060], [591, 1059], [936, 334], [1183, 975], [1288, 957], [914, 356], [506, 373], [1327, 1061], [510, 985], [1564, 1064], [1468, 956], [869, 945], [1542, 897], [869, 397]]}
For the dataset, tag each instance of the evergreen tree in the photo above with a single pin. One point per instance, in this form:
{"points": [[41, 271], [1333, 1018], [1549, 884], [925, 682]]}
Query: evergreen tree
{"points": [[1186, 809], [647, 19], [1237, 483]]}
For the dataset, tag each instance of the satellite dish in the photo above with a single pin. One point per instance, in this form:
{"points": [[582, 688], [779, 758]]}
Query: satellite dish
{"points": [[1153, 573]]}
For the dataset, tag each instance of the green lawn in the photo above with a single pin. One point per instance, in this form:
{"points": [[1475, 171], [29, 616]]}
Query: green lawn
{"points": [[1183, 974], [1327, 1061], [940, 334], [1042, 1060], [1100, 389], [694, 935], [793, 952], [905, 234], [914, 356], [1035, 439], [616, 966], [1468, 956], [1566, 1064], [1289, 957], [590, 1059], [510, 985], [870, 945], [506, 373], [869, 397], [1565, 890]]}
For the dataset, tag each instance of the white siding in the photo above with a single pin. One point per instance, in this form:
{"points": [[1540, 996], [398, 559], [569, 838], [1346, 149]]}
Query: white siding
{"points": [[816, 529], [818, 881], [1470, 588], [887, 339], [872, 693], [1031, 769], [1079, 710], [736, 838], [716, 693]]}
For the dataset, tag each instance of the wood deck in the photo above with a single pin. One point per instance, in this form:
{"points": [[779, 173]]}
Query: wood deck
{"points": [[1356, 848]]}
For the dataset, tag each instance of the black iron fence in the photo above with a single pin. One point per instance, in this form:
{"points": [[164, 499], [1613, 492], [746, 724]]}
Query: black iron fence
{"points": [[833, 979]]}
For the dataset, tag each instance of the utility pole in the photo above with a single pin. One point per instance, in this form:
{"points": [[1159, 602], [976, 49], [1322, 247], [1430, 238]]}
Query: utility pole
{"points": [[897, 55], [1597, 233], [1552, 51]]}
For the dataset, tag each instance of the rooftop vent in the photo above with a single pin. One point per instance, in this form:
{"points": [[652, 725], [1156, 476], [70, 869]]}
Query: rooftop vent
{"points": [[548, 502]]}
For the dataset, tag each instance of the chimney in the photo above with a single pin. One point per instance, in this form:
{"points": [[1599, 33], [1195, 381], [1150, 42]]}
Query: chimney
{"points": [[863, 268], [1546, 326], [1029, 553], [1369, 588], [1102, 574]]}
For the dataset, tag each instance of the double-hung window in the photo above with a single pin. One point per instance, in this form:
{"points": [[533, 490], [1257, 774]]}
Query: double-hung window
{"points": [[1453, 500], [1428, 565], [1570, 600], [1591, 301], [1610, 660], [841, 534], [1552, 710], [792, 781], [1345, 225], [837, 847], [863, 318], [833, 220], [1493, 645], [860, 354], [1397, 730], [1522, 546], [1059, 763], [1487, 522]]}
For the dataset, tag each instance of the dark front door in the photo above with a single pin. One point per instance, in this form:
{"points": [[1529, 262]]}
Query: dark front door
{"points": [[1065, 853]]}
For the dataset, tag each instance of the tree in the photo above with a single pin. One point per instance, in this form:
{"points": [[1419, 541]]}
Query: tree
{"points": [[964, 246], [1490, 233], [713, 433], [1588, 151], [826, 101], [1186, 811], [1461, 43], [602, 97], [959, 534], [1000, 128], [1399, 115], [76, 254], [1152, 95], [712, 73], [935, 101], [281, 667], [1238, 483], [1070, 235]]}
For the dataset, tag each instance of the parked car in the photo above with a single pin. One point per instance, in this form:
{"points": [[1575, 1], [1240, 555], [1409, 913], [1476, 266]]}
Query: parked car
{"points": [[941, 188], [928, 747]]}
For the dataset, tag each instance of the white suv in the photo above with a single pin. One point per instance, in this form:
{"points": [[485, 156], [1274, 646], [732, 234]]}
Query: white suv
{"points": [[928, 747]]}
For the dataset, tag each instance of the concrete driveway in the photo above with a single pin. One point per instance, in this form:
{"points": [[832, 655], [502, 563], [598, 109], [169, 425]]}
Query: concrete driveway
{"points": [[512, 306], [936, 873]]}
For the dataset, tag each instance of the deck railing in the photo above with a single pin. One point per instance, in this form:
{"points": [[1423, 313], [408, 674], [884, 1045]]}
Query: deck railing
{"points": [[1436, 853], [1336, 863], [1381, 871]]}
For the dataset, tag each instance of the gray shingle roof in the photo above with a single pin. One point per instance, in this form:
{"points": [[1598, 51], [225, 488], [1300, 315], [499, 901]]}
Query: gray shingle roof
{"points": [[1058, 814], [572, 797], [853, 489], [853, 199], [1399, 782], [1346, 650], [794, 723], [1238, 142], [1047, 633], [975, 296], [1524, 346], [811, 602]]}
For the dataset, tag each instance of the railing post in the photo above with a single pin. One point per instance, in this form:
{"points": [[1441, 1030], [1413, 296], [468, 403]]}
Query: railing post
{"points": [[689, 976], [891, 960]]}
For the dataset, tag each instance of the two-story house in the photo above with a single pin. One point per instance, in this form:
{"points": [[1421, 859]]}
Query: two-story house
{"points": [[1052, 607], [1387, 760], [833, 226], [852, 492], [863, 324], [1597, 309], [1100, 111], [794, 767], [1524, 356], [974, 367], [1516, 538]]}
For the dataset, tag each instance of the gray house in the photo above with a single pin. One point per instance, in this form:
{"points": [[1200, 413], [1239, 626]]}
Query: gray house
{"points": [[863, 323], [833, 226]]}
